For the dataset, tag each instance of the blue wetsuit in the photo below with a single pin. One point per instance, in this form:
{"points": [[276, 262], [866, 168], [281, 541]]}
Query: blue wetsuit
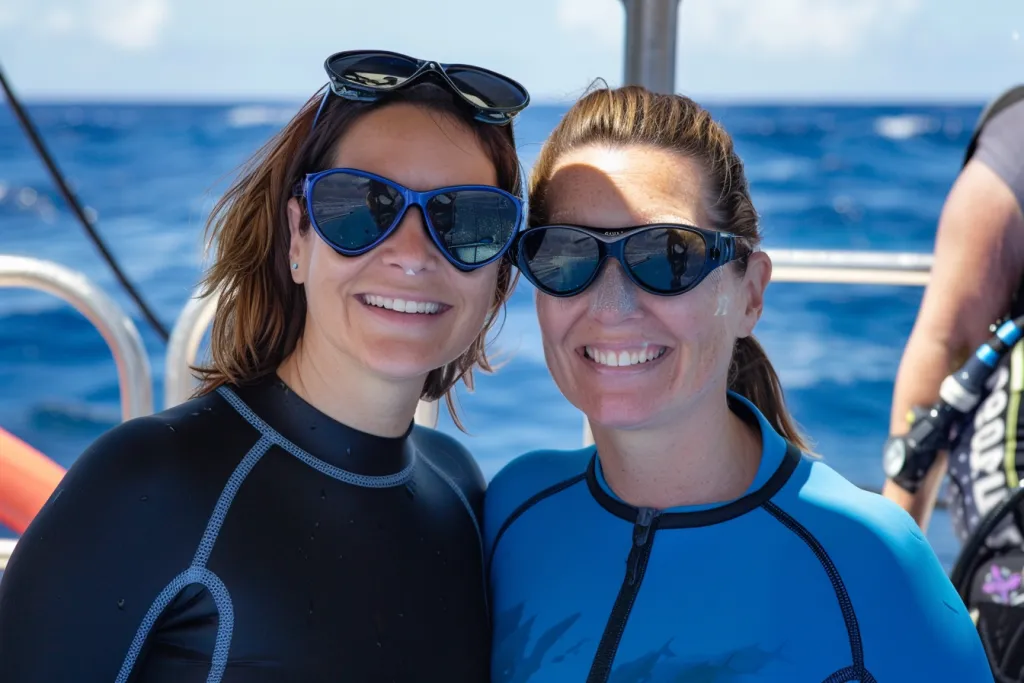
{"points": [[806, 578]]}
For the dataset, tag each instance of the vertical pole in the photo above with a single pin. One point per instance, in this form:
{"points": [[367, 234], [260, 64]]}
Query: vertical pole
{"points": [[651, 27]]}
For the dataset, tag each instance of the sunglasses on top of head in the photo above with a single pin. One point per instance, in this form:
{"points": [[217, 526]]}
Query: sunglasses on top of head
{"points": [[353, 211], [365, 75], [662, 259]]}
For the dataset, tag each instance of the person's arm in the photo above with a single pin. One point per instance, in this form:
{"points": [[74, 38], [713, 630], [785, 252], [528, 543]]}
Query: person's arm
{"points": [[88, 567], [978, 264]]}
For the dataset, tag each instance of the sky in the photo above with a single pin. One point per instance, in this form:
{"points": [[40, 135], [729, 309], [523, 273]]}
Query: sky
{"points": [[732, 50]]}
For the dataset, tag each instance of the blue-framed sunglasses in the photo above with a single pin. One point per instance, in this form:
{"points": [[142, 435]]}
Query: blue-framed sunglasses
{"points": [[353, 211], [663, 259], [365, 75]]}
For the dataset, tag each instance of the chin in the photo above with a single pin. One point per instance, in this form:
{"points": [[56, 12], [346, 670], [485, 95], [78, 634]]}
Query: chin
{"points": [[619, 412], [400, 361]]}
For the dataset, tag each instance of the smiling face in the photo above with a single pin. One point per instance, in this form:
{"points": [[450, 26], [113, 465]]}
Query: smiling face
{"points": [[399, 310], [626, 358]]}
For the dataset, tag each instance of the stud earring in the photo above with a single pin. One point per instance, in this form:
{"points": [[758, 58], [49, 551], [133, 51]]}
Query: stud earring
{"points": [[295, 266]]}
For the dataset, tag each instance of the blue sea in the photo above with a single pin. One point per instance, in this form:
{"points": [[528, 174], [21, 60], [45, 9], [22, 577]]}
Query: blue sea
{"points": [[834, 177]]}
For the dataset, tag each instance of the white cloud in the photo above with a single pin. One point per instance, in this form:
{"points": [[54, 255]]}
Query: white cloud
{"points": [[129, 24], [600, 20], [123, 24], [58, 21], [9, 13], [777, 26]]}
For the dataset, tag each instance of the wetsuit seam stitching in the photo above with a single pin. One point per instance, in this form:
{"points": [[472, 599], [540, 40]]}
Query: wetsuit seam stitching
{"points": [[838, 587], [361, 480], [530, 502], [225, 620], [226, 498], [197, 572]]}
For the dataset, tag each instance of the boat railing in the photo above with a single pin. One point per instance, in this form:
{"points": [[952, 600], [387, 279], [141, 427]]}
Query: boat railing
{"points": [[114, 325]]}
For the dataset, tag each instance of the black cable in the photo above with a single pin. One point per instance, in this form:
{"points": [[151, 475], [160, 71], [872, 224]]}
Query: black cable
{"points": [[76, 208]]}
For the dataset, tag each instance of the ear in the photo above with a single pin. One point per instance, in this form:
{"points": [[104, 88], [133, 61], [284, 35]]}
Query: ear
{"points": [[298, 250], [755, 282]]}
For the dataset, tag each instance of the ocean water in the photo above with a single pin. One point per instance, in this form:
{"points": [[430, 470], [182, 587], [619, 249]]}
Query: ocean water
{"points": [[836, 177]]}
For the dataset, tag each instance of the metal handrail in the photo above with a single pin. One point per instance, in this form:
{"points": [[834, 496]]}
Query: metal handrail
{"points": [[116, 327], [183, 348], [850, 267]]}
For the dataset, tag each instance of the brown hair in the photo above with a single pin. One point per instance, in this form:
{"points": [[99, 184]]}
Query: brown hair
{"points": [[633, 115], [261, 311]]}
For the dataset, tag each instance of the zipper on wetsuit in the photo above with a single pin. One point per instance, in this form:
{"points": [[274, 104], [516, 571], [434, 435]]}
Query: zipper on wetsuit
{"points": [[636, 564], [638, 553]]}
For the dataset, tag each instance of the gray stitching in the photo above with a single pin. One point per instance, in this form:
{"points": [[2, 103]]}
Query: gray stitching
{"points": [[363, 480], [227, 496], [225, 620]]}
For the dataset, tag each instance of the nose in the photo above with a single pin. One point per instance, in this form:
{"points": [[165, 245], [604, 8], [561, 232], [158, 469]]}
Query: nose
{"points": [[409, 247], [613, 297]]}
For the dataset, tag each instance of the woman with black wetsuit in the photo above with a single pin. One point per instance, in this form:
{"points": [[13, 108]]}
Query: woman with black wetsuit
{"points": [[290, 523]]}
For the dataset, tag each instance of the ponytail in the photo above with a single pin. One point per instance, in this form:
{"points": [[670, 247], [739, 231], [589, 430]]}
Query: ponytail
{"points": [[753, 377]]}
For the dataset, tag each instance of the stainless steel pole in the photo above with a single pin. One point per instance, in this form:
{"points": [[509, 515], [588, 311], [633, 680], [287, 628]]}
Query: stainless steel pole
{"points": [[651, 27]]}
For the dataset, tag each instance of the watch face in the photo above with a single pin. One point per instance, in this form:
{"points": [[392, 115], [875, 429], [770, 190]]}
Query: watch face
{"points": [[894, 457]]}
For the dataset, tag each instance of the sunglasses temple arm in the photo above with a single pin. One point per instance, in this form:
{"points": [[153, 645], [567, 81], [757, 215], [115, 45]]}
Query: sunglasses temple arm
{"points": [[320, 109], [726, 248]]}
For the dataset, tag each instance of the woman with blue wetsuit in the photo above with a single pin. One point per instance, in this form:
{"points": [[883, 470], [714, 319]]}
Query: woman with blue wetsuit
{"points": [[696, 541], [290, 523]]}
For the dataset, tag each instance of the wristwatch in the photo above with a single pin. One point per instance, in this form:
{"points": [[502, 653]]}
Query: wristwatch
{"points": [[904, 464]]}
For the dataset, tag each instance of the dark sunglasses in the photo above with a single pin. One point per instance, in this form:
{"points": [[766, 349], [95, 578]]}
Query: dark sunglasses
{"points": [[353, 211], [563, 260], [365, 75]]}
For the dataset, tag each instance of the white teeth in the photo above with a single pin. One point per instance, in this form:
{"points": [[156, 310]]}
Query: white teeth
{"points": [[401, 305], [623, 358]]}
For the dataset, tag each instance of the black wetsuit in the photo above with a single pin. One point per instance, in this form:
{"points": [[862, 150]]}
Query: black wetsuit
{"points": [[204, 544]]}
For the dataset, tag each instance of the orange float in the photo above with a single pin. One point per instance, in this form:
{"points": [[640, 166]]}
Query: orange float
{"points": [[27, 478]]}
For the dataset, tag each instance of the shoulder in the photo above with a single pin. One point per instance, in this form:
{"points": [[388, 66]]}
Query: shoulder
{"points": [[902, 600], [127, 516], [157, 445], [450, 457], [846, 519], [171, 461], [1000, 146], [527, 477]]}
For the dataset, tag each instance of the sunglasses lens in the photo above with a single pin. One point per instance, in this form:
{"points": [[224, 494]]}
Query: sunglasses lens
{"points": [[485, 89], [374, 70], [352, 212], [667, 260], [474, 225], [561, 260]]}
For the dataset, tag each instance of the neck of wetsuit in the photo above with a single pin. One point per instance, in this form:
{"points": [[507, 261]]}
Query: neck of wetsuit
{"points": [[333, 442]]}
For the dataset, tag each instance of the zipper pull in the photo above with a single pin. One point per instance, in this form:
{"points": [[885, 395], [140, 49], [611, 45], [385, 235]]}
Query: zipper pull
{"points": [[641, 533]]}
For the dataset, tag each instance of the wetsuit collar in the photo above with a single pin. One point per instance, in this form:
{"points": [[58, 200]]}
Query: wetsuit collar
{"points": [[324, 437], [778, 461]]}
